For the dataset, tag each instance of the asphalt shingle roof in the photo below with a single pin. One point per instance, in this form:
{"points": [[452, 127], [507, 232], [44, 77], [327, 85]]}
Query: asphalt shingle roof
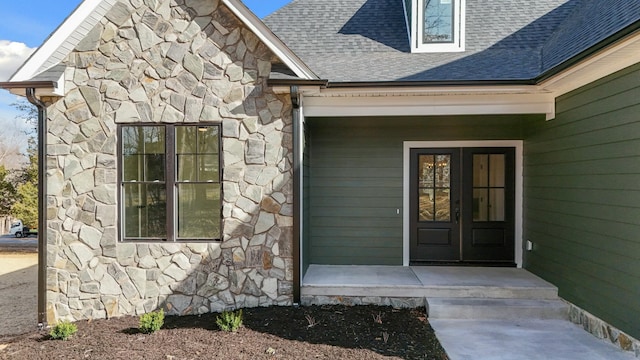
{"points": [[367, 40]]}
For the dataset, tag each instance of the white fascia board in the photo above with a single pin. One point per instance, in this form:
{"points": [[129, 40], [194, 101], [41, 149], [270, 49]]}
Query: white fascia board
{"points": [[270, 39], [432, 105], [31, 67], [598, 66]]}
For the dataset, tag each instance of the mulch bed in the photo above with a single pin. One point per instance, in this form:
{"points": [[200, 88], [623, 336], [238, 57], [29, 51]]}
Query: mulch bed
{"points": [[315, 332]]}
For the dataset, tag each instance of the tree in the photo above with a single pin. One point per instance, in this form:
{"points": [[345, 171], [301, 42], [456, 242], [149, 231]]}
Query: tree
{"points": [[12, 143], [8, 194], [25, 206]]}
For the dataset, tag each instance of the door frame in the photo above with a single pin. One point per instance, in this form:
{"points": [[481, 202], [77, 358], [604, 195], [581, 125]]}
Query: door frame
{"points": [[408, 145]]}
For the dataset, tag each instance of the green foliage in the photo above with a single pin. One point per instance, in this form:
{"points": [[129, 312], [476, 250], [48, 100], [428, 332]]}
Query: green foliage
{"points": [[63, 330], [26, 207], [151, 322], [27, 112], [8, 193], [229, 321]]}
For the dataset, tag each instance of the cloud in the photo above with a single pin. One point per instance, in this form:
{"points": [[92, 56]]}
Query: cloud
{"points": [[12, 55]]}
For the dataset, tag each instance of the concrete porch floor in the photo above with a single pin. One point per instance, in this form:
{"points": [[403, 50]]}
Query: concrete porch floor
{"points": [[421, 281], [514, 338]]}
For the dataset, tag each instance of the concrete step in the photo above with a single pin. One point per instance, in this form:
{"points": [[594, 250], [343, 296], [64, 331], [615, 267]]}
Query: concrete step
{"points": [[496, 309], [543, 292]]}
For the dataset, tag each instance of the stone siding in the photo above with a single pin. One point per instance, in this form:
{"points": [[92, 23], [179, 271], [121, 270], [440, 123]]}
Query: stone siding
{"points": [[396, 302], [168, 61], [603, 330]]}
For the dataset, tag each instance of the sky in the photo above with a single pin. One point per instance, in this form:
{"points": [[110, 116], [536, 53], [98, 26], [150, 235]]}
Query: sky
{"points": [[25, 24]]}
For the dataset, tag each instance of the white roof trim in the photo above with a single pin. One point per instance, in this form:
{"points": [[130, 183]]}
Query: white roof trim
{"points": [[434, 104], [270, 39], [54, 45]]}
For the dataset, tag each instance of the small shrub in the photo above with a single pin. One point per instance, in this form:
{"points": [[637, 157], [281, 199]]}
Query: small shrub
{"points": [[229, 321], [151, 322], [63, 330]]}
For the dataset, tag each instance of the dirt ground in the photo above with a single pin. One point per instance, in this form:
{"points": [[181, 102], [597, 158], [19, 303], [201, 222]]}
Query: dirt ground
{"points": [[315, 332], [18, 292]]}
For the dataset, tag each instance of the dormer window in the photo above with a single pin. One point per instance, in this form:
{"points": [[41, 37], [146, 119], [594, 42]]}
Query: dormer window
{"points": [[436, 25]]}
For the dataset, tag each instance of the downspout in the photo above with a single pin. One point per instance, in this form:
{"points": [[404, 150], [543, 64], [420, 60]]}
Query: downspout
{"points": [[297, 185], [42, 206]]}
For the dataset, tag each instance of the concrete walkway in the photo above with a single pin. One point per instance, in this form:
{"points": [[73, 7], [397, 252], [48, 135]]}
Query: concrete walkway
{"points": [[522, 340], [464, 336]]}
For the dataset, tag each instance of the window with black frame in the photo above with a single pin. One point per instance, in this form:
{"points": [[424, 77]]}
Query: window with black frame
{"points": [[170, 186]]}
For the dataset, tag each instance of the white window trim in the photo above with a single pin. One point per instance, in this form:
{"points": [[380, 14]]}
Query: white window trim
{"points": [[417, 29], [517, 144]]}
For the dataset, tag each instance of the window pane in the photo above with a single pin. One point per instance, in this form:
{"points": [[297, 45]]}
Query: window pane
{"points": [[132, 140], [443, 207], [186, 139], [496, 169], [144, 210], [496, 205], [187, 168], [438, 21], [132, 169], [208, 168], [154, 167], [480, 205], [199, 211], [153, 139], [443, 169], [426, 171], [426, 205], [208, 139], [480, 169]]}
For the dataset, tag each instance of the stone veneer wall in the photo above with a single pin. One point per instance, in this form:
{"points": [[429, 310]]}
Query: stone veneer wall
{"points": [[168, 61], [603, 330]]}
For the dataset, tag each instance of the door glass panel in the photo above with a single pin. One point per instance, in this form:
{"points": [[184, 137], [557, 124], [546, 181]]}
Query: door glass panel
{"points": [[443, 210], [496, 204], [443, 169], [434, 183], [480, 202], [426, 172], [426, 205], [488, 187], [496, 175], [480, 170]]}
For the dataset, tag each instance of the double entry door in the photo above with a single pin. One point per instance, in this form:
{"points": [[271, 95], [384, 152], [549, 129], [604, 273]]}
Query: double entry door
{"points": [[462, 204]]}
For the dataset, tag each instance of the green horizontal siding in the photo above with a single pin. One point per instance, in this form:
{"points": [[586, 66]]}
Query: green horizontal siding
{"points": [[355, 179], [582, 198]]}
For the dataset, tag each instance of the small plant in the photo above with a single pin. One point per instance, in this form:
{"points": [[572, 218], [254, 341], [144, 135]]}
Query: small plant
{"points": [[63, 330], [151, 322], [377, 318], [385, 337], [311, 320], [229, 321]]}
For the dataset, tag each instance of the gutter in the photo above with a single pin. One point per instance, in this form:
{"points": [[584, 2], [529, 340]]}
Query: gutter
{"points": [[42, 205], [29, 84], [298, 136], [423, 83]]}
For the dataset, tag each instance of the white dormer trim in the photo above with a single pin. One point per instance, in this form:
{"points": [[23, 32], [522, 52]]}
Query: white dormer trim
{"points": [[274, 43], [65, 37], [75, 27], [417, 29]]}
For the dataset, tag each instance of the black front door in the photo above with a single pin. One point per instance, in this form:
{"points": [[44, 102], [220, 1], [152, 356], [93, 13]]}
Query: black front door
{"points": [[462, 204]]}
